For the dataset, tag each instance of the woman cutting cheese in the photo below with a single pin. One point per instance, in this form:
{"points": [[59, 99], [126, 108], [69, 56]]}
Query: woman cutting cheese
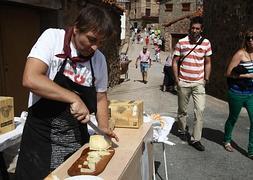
{"points": [[67, 77]]}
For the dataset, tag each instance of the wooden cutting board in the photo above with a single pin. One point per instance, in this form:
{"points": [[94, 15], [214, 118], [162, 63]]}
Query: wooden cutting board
{"points": [[74, 170]]}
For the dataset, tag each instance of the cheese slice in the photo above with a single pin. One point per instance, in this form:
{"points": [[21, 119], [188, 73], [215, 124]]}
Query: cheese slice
{"points": [[86, 170], [98, 143]]}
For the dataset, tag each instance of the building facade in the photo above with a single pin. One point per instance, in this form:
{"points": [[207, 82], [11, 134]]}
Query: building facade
{"points": [[143, 12], [125, 25], [174, 15]]}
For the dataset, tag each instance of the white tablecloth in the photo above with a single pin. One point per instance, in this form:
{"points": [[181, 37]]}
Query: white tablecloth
{"points": [[13, 137], [160, 133]]}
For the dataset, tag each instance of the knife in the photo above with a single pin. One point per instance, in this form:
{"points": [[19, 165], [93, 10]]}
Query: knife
{"points": [[99, 131]]}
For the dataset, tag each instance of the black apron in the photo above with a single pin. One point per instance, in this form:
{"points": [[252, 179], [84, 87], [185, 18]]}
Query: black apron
{"points": [[51, 134]]}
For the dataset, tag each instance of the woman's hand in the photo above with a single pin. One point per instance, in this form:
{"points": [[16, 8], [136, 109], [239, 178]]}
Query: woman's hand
{"points": [[110, 133], [246, 75]]}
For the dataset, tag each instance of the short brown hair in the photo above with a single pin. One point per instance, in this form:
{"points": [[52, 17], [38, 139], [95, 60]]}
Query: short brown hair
{"points": [[96, 19], [197, 20]]}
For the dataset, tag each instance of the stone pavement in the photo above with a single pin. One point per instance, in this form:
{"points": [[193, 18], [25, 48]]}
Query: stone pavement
{"points": [[183, 161]]}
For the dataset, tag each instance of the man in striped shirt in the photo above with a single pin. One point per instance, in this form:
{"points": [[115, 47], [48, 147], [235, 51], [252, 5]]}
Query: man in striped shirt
{"points": [[191, 75]]}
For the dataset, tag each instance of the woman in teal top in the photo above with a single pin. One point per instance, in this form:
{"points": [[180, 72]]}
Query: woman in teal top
{"points": [[240, 93]]}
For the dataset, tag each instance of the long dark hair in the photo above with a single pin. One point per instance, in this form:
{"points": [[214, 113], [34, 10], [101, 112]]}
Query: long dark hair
{"points": [[244, 42], [96, 19]]}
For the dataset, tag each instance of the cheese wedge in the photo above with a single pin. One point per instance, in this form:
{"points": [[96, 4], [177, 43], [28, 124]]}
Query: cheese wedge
{"points": [[98, 143]]}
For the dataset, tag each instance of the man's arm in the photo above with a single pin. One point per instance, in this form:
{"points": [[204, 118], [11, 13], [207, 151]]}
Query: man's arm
{"points": [[36, 80], [149, 58], [207, 68], [102, 114], [136, 62], [102, 110], [175, 67]]}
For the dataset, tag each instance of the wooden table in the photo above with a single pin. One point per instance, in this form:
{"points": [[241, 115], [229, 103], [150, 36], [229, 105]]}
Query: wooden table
{"points": [[133, 158]]}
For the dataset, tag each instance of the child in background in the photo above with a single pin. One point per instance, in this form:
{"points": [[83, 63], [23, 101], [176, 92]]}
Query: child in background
{"points": [[147, 40]]}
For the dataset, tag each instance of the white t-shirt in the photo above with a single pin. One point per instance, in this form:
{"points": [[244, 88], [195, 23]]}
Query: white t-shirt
{"points": [[144, 57], [49, 44]]}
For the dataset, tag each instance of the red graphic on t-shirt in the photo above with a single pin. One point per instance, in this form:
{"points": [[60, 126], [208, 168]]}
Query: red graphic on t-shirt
{"points": [[79, 79], [68, 72]]}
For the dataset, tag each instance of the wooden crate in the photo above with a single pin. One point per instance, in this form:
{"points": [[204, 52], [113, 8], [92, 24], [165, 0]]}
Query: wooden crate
{"points": [[6, 114], [126, 113], [111, 124]]}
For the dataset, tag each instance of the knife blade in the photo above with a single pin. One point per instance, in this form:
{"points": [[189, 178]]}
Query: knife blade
{"points": [[99, 131]]}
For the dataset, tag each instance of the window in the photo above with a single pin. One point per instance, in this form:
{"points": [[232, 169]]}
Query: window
{"points": [[169, 7], [186, 6], [147, 12]]}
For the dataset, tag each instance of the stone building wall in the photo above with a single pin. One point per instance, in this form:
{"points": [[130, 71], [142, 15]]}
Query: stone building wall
{"points": [[224, 23], [180, 27], [167, 16]]}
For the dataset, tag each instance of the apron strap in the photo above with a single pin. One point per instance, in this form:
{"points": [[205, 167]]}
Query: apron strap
{"points": [[92, 73], [67, 54]]}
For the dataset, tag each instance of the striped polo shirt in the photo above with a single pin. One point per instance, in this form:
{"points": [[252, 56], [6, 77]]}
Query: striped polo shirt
{"points": [[192, 67]]}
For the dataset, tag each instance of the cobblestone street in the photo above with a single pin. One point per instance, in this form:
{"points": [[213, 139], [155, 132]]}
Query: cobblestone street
{"points": [[183, 161]]}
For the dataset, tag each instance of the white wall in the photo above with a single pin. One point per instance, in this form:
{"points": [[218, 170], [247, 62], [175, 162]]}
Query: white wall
{"points": [[123, 26]]}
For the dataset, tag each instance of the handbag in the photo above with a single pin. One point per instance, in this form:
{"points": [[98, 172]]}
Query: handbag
{"points": [[242, 83]]}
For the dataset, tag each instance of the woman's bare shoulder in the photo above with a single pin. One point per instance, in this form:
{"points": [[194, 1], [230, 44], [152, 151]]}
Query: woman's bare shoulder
{"points": [[240, 51], [240, 54], [243, 55]]}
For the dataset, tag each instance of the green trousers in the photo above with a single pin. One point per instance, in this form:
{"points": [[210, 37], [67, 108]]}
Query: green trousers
{"points": [[236, 102]]}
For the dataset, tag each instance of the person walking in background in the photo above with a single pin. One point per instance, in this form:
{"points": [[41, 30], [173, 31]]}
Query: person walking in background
{"points": [[145, 63], [155, 41], [147, 40], [132, 35], [160, 42], [240, 92], [157, 54], [168, 80], [192, 67], [67, 77], [138, 38]]}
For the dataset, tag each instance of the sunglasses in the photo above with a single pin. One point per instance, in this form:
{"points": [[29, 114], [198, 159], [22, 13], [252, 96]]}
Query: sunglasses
{"points": [[248, 38]]}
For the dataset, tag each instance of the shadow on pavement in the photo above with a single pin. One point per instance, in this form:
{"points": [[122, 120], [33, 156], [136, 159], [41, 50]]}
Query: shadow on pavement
{"points": [[217, 136], [170, 90], [174, 129], [137, 80], [157, 165], [213, 135], [121, 80]]}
